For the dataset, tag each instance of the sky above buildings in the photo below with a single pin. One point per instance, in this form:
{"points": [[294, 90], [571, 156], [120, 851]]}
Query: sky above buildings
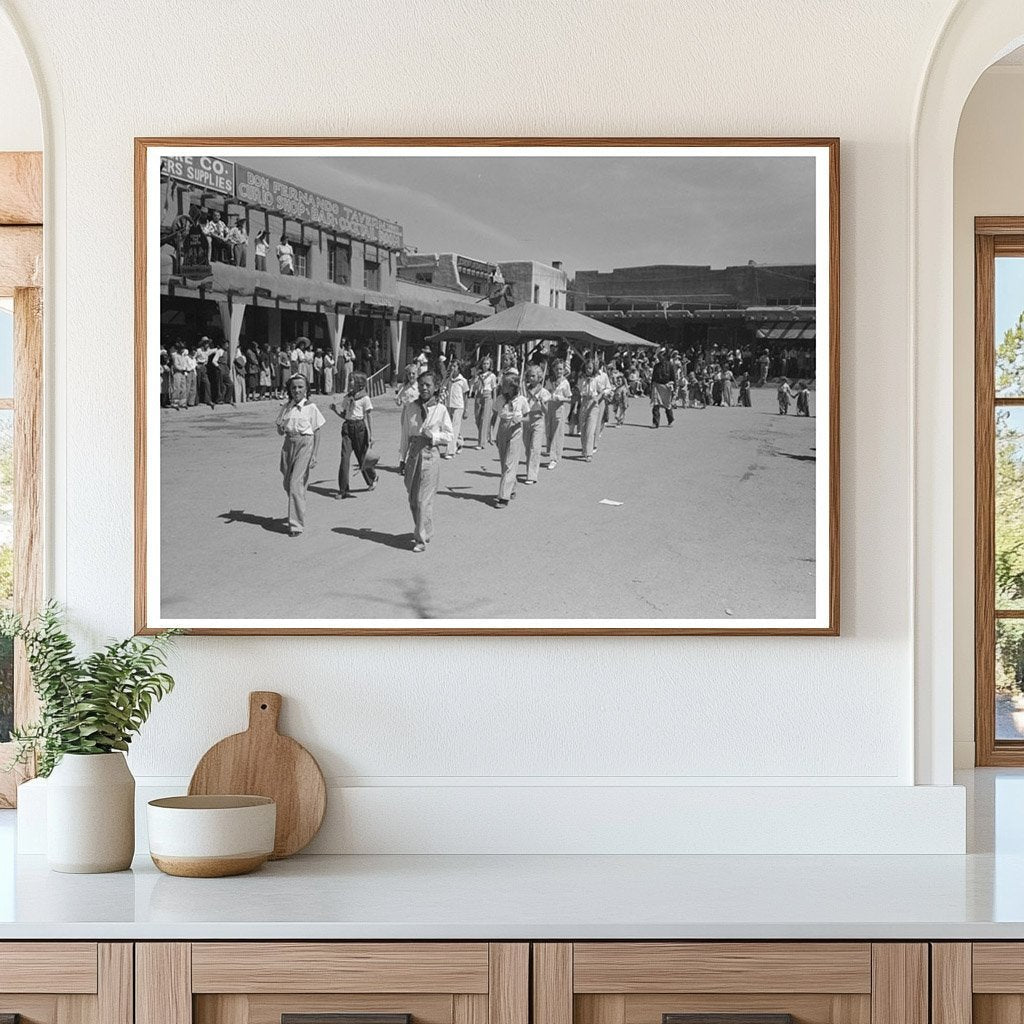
{"points": [[592, 213]]}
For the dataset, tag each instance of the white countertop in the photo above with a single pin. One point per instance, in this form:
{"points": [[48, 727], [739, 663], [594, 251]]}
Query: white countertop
{"points": [[516, 897], [977, 896]]}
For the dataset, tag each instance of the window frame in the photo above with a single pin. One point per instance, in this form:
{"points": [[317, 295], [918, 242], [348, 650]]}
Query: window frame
{"points": [[993, 237], [21, 263]]}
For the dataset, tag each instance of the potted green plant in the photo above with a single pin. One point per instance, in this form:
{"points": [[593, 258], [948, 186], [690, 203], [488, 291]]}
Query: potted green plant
{"points": [[89, 710]]}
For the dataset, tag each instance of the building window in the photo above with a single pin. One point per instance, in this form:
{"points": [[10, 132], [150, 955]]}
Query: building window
{"points": [[339, 263], [536, 293], [371, 275], [301, 259], [999, 491], [425, 276]]}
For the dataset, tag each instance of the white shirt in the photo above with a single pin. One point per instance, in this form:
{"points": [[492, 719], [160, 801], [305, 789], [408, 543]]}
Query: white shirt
{"points": [[455, 390], [485, 383], [408, 393], [435, 425], [284, 255], [302, 419], [356, 408], [559, 392], [537, 401], [512, 410]]}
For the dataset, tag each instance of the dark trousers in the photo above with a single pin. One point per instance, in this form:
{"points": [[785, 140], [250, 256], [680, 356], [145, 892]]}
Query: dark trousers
{"points": [[214, 380], [656, 415], [355, 440], [202, 386]]}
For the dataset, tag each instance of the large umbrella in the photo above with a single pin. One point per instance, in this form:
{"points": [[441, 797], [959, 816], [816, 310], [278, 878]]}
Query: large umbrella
{"points": [[528, 321]]}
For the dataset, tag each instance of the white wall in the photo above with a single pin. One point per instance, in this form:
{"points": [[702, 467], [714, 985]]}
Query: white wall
{"points": [[988, 181], [21, 126], [427, 715]]}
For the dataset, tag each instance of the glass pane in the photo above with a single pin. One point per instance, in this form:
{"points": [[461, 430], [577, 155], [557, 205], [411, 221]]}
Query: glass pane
{"points": [[6, 353], [1009, 526], [1009, 679], [1009, 324], [6, 567]]}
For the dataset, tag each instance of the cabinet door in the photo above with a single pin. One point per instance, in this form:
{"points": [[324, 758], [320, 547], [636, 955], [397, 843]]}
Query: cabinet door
{"points": [[730, 983], [981, 982], [65, 983], [332, 983]]}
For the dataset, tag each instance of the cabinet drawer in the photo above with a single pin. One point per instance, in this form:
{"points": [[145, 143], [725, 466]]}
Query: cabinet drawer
{"points": [[730, 983], [332, 983], [340, 967], [66, 982], [64, 967], [634, 967]]}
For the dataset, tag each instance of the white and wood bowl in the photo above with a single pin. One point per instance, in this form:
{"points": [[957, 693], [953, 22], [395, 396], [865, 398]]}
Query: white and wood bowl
{"points": [[211, 836]]}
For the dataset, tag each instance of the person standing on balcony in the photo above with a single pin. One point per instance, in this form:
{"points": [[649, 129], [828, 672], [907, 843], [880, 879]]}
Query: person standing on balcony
{"points": [[262, 247], [238, 239], [286, 257]]}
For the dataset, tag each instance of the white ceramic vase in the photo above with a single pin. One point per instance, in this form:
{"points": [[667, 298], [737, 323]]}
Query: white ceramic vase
{"points": [[90, 814]]}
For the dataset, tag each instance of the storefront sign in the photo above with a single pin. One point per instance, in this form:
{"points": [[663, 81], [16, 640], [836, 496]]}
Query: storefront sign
{"points": [[296, 203], [209, 172]]}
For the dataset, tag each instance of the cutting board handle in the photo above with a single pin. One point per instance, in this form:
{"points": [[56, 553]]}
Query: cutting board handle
{"points": [[264, 710]]}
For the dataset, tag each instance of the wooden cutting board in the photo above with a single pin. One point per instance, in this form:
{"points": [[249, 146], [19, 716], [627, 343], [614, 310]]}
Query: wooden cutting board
{"points": [[262, 762]]}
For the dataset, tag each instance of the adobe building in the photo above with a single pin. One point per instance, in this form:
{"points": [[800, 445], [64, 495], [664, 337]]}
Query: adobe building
{"points": [[347, 283], [748, 307]]}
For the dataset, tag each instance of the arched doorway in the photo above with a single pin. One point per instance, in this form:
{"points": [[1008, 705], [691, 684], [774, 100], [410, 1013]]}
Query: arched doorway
{"points": [[976, 34]]}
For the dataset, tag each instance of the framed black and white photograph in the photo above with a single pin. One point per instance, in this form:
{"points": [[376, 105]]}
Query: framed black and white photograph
{"points": [[449, 386]]}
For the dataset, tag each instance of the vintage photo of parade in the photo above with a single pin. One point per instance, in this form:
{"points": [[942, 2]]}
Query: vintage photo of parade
{"points": [[483, 388]]}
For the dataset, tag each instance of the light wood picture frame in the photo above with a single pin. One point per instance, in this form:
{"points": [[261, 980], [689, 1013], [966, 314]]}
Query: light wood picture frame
{"points": [[394, 280]]}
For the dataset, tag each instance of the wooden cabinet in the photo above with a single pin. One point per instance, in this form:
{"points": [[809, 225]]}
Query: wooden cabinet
{"points": [[66, 982], [264, 982], [977, 983], [758, 982]]}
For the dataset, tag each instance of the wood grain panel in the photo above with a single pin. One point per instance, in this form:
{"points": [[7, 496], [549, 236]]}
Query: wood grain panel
{"points": [[508, 993], [998, 967], [900, 983], [229, 1009], [998, 1009], [951, 983], [805, 1008], [163, 983], [28, 483], [267, 1009], [76, 1010], [339, 967], [33, 1009], [21, 188], [468, 1009], [593, 1009], [115, 983], [64, 967], [21, 259], [552, 983], [635, 967], [984, 502]]}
